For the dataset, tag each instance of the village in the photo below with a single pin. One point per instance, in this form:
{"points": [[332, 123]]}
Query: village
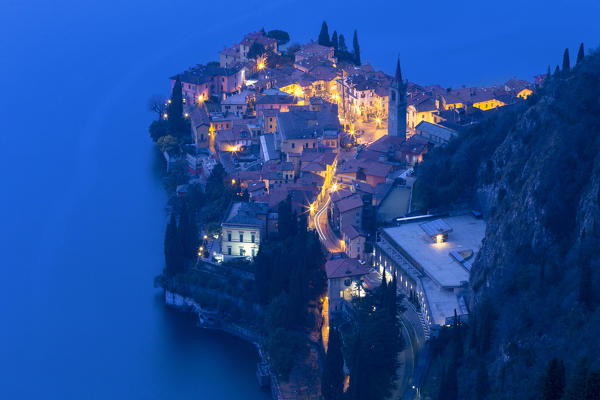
{"points": [[339, 140]]}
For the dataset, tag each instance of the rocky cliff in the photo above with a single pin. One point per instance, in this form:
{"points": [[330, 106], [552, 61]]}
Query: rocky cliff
{"points": [[535, 279]]}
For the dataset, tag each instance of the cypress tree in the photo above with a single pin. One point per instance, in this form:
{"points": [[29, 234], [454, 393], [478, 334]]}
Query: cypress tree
{"points": [[592, 386], [342, 48], [324, 35], [177, 125], [548, 74], [334, 40], [481, 382], [554, 380], [356, 49], [556, 71], [332, 382], [566, 62], [189, 233], [580, 54], [170, 237], [173, 249], [575, 390]]}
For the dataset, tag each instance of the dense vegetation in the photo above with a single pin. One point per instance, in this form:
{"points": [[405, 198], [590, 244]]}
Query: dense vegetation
{"points": [[289, 276], [536, 174], [373, 349]]}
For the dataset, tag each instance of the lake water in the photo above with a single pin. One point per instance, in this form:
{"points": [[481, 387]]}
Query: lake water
{"points": [[81, 207]]}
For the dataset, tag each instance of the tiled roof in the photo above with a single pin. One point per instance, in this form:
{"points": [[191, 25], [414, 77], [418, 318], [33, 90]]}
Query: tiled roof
{"points": [[343, 267], [351, 232], [349, 203]]}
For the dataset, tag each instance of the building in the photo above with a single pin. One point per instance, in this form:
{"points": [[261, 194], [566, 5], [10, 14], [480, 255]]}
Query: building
{"points": [[313, 50], [344, 276], [432, 258], [243, 230], [354, 242], [204, 81], [347, 211], [239, 51], [397, 105], [301, 129], [436, 134]]}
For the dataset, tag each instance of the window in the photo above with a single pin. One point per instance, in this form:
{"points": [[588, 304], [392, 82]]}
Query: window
{"points": [[229, 236], [293, 145], [229, 250], [341, 293], [242, 251], [253, 251], [241, 236], [253, 238]]}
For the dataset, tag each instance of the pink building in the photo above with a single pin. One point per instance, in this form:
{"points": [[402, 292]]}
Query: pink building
{"points": [[203, 81]]}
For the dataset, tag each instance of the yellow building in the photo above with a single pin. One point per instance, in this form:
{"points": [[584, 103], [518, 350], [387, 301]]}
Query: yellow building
{"points": [[488, 104], [525, 93]]}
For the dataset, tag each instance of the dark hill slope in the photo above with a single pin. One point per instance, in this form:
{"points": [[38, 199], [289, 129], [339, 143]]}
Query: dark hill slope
{"points": [[537, 173]]}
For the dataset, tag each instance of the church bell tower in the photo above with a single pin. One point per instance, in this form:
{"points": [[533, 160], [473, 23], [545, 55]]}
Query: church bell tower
{"points": [[397, 105]]}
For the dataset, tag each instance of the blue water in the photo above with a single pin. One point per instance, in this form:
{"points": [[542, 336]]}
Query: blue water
{"points": [[81, 206]]}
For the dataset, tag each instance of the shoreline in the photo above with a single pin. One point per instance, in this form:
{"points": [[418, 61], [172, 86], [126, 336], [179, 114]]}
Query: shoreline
{"points": [[209, 320]]}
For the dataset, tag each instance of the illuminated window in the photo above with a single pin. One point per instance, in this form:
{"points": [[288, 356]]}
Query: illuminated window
{"points": [[341, 293]]}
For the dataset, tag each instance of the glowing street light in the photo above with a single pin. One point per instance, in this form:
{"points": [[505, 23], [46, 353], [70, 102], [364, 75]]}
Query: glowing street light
{"points": [[334, 187], [312, 208], [233, 181], [205, 237], [165, 115]]}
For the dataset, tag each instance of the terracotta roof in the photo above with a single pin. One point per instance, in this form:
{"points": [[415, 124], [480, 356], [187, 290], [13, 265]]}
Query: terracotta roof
{"points": [[386, 143], [349, 203], [344, 267], [351, 232]]}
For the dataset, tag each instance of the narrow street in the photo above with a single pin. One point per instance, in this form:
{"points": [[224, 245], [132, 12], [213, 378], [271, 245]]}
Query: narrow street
{"points": [[328, 238]]}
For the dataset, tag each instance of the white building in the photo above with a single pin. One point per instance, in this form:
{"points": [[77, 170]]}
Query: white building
{"points": [[243, 230], [432, 259]]}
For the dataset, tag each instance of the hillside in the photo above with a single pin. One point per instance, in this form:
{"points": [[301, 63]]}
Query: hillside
{"points": [[535, 172]]}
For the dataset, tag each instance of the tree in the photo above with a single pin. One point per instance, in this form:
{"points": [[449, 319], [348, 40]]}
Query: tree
{"points": [[157, 104], [177, 124], [356, 48], [158, 129], [556, 71], [592, 386], [342, 47], [554, 380], [173, 249], [580, 54], [286, 220], [324, 35], [481, 382], [188, 233], [293, 49], [256, 50], [566, 67], [575, 389], [332, 381], [167, 143], [282, 37], [334, 40], [548, 75]]}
